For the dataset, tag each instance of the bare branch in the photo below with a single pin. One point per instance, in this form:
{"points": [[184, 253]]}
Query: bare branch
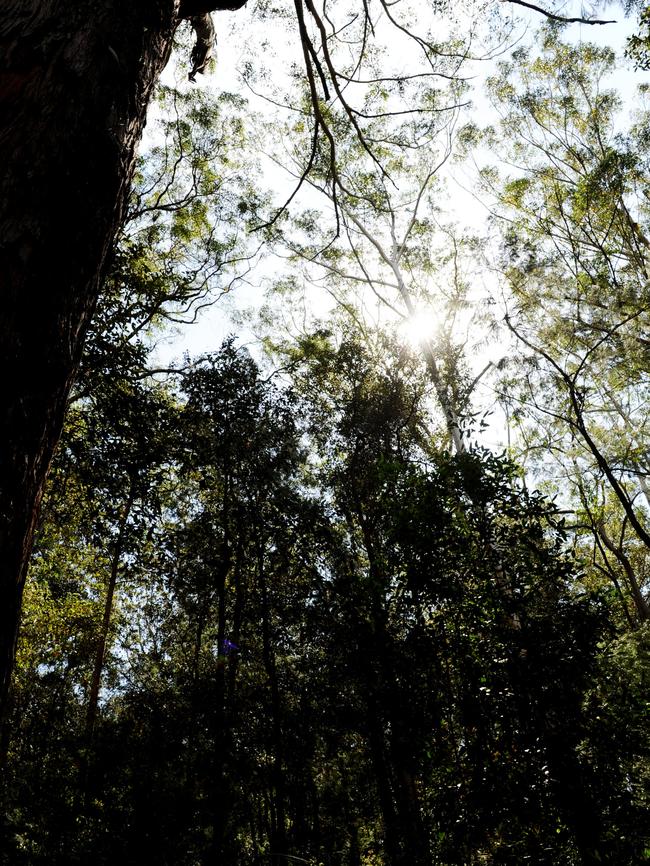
{"points": [[578, 423], [555, 17]]}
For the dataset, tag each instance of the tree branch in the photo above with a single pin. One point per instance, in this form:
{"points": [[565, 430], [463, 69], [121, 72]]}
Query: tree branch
{"points": [[555, 17]]}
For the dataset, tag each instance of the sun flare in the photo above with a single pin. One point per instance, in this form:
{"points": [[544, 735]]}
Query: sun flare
{"points": [[419, 327]]}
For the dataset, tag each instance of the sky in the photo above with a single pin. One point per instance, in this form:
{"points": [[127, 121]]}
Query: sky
{"points": [[270, 43]]}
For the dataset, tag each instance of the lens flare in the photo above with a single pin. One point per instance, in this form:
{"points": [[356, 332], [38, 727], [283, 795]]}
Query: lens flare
{"points": [[419, 327]]}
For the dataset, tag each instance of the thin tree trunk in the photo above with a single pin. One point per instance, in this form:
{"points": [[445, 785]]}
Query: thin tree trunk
{"points": [[642, 607], [406, 838], [376, 741], [278, 840], [392, 260], [219, 788], [102, 639], [452, 420]]}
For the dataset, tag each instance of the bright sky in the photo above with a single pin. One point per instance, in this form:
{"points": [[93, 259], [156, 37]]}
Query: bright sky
{"points": [[272, 42]]}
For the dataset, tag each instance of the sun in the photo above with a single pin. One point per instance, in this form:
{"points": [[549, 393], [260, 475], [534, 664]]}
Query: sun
{"points": [[419, 327]]}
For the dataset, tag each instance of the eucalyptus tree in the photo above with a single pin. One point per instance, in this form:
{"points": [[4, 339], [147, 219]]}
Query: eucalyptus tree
{"points": [[397, 267], [242, 445], [76, 87], [313, 659], [372, 234], [216, 765], [468, 736], [91, 561], [76, 93], [573, 216], [638, 45]]}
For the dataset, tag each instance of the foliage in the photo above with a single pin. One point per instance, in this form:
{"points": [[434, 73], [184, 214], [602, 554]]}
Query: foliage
{"points": [[329, 641], [284, 610], [574, 258]]}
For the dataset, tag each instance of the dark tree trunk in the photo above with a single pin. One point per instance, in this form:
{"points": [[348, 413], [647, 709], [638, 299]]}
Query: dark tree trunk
{"points": [[75, 81], [277, 836]]}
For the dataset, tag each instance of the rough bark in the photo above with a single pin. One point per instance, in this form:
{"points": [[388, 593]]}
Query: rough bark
{"points": [[75, 81]]}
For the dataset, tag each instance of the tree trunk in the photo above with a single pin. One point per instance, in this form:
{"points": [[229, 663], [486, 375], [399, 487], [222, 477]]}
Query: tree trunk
{"points": [[641, 605], [102, 638], [75, 81], [278, 835]]}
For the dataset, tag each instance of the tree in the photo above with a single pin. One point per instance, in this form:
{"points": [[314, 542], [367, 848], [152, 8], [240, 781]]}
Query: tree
{"points": [[395, 265], [573, 221], [76, 83], [75, 88], [311, 657]]}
